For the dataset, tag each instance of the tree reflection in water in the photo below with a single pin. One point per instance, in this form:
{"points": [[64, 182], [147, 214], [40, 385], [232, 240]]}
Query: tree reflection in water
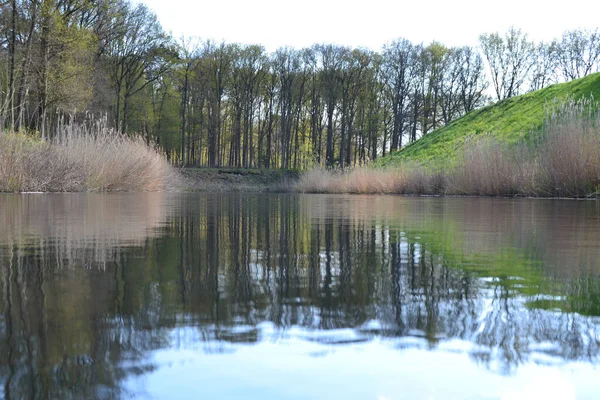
{"points": [[420, 272]]}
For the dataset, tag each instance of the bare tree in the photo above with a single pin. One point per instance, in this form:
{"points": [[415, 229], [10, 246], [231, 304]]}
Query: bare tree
{"points": [[510, 59], [473, 82], [578, 53], [543, 72], [141, 46], [397, 72]]}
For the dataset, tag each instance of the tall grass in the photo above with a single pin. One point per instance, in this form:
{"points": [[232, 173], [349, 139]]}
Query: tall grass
{"points": [[562, 160], [81, 157], [569, 156], [407, 180]]}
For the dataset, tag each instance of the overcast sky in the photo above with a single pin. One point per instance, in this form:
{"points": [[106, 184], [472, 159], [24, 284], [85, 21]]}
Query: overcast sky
{"points": [[369, 23]]}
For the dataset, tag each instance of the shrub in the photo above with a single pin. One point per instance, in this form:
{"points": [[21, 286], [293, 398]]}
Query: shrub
{"points": [[88, 157]]}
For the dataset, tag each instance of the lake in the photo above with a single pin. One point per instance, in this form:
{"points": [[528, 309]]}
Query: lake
{"points": [[268, 296]]}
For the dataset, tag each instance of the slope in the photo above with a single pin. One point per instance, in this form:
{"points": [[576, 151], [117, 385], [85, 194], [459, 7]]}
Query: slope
{"points": [[509, 121]]}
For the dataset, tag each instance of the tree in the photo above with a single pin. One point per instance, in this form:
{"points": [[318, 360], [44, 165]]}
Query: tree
{"points": [[399, 61], [140, 47], [353, 72], [50, 61], [451, 104], [577, 54], [248, 68], [215, 65], [330, 58], [287, 64], [543, 72], [510, 59], [269, 95], [310, 60], [188, 60], [434, 60]]}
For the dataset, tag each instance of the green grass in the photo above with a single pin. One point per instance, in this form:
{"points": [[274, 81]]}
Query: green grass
{"points": [[509, 121]]}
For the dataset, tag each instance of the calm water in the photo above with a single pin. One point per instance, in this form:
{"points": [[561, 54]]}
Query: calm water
{"points": [[296, 297]]}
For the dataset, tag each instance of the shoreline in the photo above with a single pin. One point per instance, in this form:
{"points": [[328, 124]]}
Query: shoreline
{"points": [[240, 180], [226, 179]]}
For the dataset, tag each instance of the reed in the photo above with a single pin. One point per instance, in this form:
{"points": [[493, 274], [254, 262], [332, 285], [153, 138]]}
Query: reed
{"points": [[81, 157]]}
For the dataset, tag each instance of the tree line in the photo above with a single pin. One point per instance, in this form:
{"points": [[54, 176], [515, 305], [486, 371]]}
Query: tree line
{"points": [[228, 104]]}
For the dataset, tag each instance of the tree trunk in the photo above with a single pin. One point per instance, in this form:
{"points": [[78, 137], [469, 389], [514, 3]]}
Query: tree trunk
{"points": [[24, 67], [329, 150], [12, 49], [43, 83], [183, 111]]}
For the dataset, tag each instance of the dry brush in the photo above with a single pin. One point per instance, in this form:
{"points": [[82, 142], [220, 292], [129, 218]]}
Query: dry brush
{"points": [[86, 157]]}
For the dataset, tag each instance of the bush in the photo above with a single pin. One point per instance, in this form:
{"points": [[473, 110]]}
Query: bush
{"points": [[87, 157]]}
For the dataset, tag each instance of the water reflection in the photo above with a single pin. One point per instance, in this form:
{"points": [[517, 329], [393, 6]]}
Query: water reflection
{"points": [[93, 285]]}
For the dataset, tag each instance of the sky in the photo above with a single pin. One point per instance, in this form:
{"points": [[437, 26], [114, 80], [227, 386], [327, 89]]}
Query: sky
{"points": [[369, 23]]}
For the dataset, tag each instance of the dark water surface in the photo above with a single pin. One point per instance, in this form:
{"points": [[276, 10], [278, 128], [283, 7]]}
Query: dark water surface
{"points": [[192, 296]]}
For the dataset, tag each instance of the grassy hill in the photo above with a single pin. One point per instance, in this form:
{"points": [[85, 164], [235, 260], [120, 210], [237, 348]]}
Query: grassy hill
{"points": [[508, 121]]}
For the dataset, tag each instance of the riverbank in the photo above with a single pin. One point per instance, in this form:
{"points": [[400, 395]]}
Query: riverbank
{"points": [[237, 180], [566, 166], [560, 160]]}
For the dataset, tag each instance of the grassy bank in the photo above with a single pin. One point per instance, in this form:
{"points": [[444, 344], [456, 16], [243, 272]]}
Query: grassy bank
{"points": [[81, 158], [508, 122], [560, 160]]}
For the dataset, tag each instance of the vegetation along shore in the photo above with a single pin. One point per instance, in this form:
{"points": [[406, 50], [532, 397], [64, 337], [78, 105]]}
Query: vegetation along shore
{"points": [[96, 96], [559, 159]]}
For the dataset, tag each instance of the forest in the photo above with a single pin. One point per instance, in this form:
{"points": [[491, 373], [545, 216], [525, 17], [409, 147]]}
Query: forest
{"points": [[205, 103]]}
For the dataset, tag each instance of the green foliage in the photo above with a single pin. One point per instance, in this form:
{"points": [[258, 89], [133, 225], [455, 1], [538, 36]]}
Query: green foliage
{"points": [[509, 121], [70, 73], [168, 126]]}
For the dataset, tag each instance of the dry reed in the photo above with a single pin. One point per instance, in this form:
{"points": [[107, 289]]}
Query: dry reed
{"points": [[413, 180], [81, 157]]}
